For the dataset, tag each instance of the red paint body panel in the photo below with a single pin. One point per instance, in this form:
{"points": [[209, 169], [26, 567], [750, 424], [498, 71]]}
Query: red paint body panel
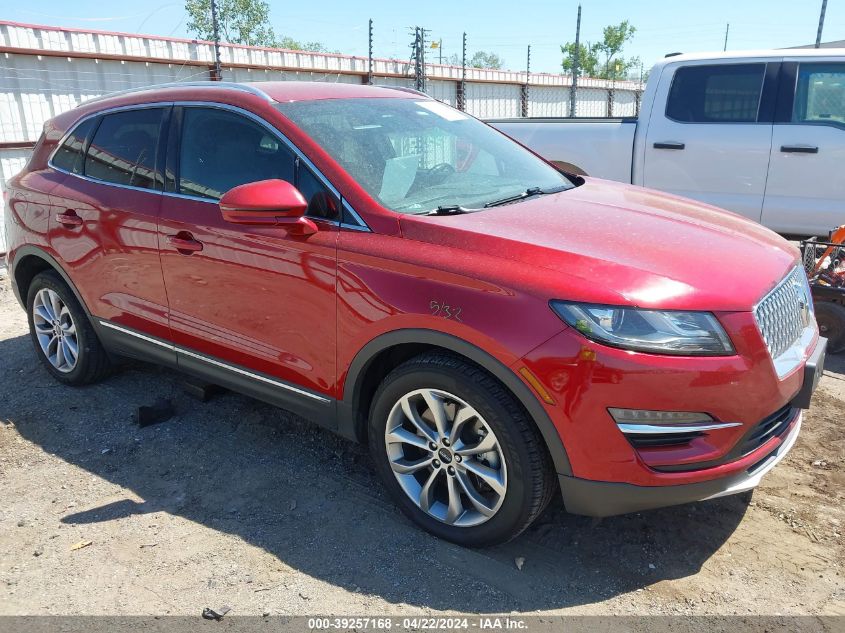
{"points": [[113, 256], [254, 296], [300, 308]]}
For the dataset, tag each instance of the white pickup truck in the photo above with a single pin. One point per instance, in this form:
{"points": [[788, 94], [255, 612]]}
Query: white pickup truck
{"points": [[759, 133]]}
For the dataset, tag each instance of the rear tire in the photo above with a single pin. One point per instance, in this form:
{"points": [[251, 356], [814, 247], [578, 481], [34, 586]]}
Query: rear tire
{"points": [[831, 319], [61, 333], [457, 452]]}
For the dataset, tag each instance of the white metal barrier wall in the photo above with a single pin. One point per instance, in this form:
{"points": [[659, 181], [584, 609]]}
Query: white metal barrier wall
{"points": [[47, 70]]}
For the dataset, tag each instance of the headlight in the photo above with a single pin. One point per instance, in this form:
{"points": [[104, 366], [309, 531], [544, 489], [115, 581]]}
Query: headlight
{"points": [[655, 331]]}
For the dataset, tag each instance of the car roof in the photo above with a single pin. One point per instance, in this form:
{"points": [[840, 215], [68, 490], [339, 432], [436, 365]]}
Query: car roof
{"points": [[274, 91], [287, 91]]}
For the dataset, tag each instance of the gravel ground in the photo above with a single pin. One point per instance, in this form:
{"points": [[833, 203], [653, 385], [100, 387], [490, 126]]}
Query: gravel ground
{"points": [[233, 502]]}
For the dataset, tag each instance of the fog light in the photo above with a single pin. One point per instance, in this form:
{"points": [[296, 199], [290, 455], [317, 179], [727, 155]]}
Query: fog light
{"points": [[642, 421], [642, 416]]}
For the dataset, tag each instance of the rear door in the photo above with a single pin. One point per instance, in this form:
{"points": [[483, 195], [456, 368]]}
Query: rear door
{"points": [[805, 194], [711, 142], [103, 223], [251, 307]]}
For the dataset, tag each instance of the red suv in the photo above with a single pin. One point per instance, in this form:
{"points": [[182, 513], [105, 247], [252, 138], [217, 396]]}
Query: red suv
{"points": [[409, 277]]}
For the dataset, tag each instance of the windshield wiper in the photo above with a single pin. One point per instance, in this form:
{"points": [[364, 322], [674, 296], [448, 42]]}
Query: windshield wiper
{"points": [[449, 209], [531, 191]]}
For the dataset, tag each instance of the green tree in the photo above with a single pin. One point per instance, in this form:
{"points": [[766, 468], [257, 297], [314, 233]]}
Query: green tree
{"points": [[483, 59], [615, 66], [604, 59], [588, 60], [241, 22], [295, 45]]}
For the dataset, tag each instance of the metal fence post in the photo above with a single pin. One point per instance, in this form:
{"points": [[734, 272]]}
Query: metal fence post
{"points": [[462, 84]]}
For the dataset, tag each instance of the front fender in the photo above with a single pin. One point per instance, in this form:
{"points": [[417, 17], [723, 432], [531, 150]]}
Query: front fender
{"points": [[348, 404]]}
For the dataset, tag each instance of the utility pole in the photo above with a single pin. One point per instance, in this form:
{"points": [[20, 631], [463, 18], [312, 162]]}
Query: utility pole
{"points": [[418, 56], [727, 30], [524, 91], [440, 49], [423, 33], [821, 24], [462, 84], [573, 90], [370, 55], [218, 71]]}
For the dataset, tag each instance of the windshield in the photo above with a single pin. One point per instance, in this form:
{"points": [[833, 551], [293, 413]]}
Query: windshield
{"points": [[414, 156]]}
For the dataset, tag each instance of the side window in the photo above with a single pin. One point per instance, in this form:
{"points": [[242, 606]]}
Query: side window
{"points": [[123, 150], [820, 94], [221, 150], [322, 203], [726, 93], [69, 155]]}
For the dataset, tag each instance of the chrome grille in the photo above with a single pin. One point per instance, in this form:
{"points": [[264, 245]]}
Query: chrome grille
{"points": [[785, 312]]}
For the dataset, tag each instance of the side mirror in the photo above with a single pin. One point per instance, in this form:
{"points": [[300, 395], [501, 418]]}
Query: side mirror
{"points": [[267, 203]]}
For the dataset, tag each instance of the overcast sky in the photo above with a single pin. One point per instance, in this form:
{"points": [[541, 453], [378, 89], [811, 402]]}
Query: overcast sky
{"points": [[505, 27]]}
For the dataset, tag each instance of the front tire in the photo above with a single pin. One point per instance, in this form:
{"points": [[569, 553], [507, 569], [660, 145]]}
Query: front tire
{"points": [[457, 452], [61, 333]]}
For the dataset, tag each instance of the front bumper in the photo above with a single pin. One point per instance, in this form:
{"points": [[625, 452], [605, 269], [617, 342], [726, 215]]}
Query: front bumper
{"points": [[609, 475], [603, 499]]}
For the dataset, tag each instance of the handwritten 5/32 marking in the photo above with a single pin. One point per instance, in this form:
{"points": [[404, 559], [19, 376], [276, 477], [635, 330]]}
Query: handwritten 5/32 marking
{"points": [[442, 309]]}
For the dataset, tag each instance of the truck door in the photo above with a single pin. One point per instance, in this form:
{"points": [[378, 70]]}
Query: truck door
{"points": [[805, 193], [711, 139]]}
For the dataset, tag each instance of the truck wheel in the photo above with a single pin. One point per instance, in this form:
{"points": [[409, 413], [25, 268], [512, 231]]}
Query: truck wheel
{"points": [[62, 336], [831, 320], [457, 452]]}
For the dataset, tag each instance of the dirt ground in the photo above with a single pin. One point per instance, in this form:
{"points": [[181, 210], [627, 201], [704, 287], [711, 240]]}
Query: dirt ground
{"points": [[233, 502]]}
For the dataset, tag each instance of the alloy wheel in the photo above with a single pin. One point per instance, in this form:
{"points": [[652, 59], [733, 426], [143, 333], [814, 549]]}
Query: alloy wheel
{"points": [[55, 330], [445, 457]]}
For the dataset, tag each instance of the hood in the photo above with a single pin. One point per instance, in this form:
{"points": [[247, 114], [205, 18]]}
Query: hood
{"points": [[606, 242]]}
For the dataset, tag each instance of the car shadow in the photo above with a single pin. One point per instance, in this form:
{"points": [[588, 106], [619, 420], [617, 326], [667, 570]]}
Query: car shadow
{"points": [[312, 500]]}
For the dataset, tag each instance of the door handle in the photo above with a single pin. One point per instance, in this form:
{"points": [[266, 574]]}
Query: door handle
{"points": [[669, 145], [69, 218], [799, 149], [185, 243]]}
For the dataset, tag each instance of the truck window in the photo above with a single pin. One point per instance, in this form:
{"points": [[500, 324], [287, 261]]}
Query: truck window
{"points": [[725, 93], [820, 94]]}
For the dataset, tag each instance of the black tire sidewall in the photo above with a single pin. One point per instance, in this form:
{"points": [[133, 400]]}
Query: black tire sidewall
{"points": [[83, 334], [511, 516], [834, 315]]}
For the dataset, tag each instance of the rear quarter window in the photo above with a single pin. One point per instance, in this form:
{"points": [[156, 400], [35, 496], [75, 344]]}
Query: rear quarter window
{"points": [[69, 156]]}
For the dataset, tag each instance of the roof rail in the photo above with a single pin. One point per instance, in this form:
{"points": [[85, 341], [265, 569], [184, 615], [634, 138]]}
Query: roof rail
{"points": [[228, 85]]}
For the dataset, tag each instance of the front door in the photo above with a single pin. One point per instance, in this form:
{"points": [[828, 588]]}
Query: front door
{"points": [[250, 307], [805, 194], [712, 141]]}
